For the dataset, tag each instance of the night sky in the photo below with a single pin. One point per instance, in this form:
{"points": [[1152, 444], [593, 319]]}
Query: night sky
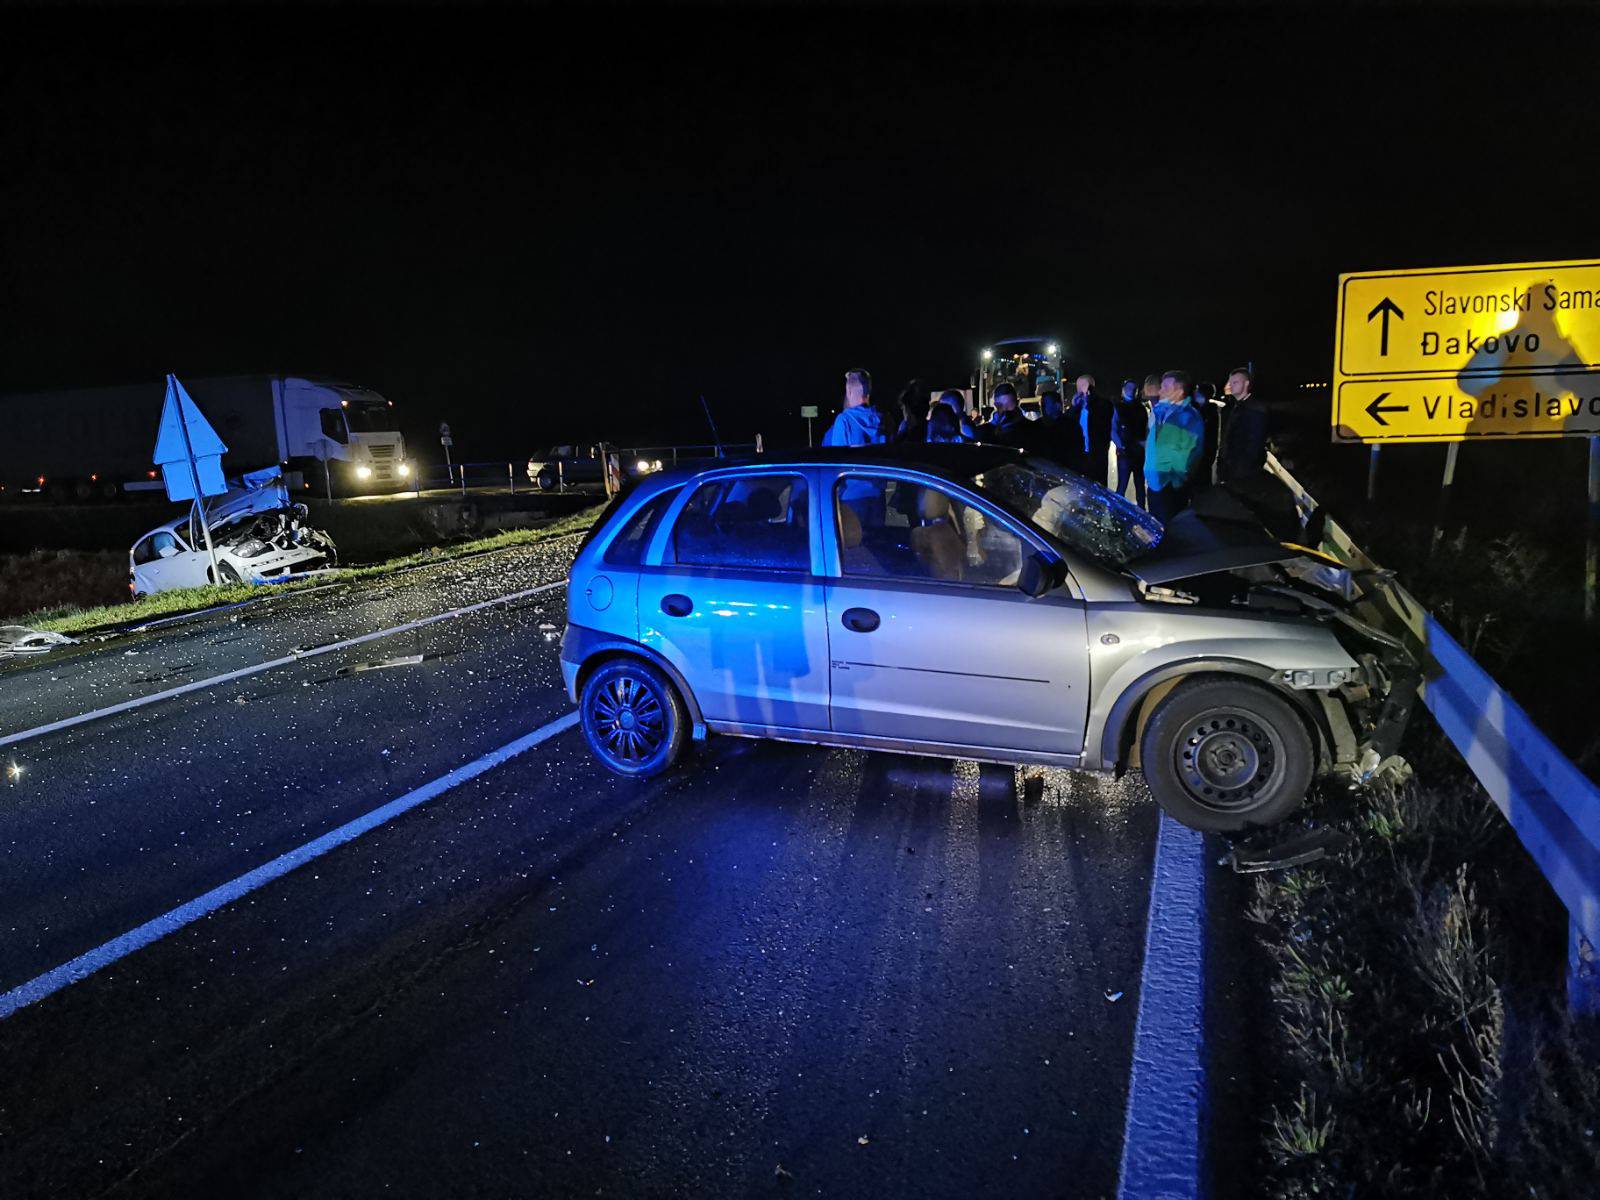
{"points": [[550, 224]]}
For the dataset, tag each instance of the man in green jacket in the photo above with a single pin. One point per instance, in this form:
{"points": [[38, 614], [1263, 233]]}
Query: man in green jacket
{"points": [[1177, 434]]}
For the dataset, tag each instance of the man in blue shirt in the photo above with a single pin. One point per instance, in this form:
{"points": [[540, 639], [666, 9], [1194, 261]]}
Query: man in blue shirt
{"points": [[858, 423]]}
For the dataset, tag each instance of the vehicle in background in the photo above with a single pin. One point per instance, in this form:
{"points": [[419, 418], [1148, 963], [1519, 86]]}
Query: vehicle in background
{"points": [[564, 468], [970, 601], [1031, 365], [258, 533], [95, 443]]}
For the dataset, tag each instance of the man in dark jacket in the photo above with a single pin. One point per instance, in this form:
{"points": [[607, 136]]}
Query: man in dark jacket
{"points": [[1053, 436], [1130, 425], [1008, 427], [1091, 413], [1243, 450]]}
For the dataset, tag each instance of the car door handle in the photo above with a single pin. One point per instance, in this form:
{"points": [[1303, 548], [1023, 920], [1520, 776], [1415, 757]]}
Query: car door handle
{"points": [[860, 620], [675, 605]]}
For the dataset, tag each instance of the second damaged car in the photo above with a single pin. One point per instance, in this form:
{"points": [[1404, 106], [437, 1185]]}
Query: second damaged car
{"points": [[977, 602], [258, 534]]}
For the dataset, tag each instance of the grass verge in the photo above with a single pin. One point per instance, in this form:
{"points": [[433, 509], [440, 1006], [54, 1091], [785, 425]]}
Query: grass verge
{"points": [[1421, 1042], [75, 619]]}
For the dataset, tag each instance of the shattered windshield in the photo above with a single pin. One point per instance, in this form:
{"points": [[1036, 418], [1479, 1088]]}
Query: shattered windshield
{"points": [[1084, 515]]}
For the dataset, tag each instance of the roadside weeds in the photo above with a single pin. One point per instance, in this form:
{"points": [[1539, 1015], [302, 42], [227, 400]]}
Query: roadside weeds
{"points": [[1421, 1043]]}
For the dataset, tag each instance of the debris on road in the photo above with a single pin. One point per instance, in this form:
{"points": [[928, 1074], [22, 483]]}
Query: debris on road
{"points": [[1269, 852], [1113, 997], [17, 640], [382, 664]]}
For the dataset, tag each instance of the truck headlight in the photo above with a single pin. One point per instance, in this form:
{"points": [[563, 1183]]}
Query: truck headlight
{"points": [[363, 472], [405, 470]]}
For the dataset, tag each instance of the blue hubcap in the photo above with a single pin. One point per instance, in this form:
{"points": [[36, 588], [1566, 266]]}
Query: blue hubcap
{"points": [[629, 719]]}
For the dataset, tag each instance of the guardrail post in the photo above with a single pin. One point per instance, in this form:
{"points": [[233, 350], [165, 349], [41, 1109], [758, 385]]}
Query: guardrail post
{"points": [[511, 478], [1592, 554], [1583, 973]]}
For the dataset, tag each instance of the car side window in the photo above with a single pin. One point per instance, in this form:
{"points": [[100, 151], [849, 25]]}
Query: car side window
{"points": [[333, 424], [759, 521], [627, 548], [145, 551], [897, 529]]}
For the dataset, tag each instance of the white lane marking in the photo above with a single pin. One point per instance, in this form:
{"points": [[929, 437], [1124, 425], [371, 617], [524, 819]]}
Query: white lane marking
{"points": [[1161, 1136], [270, 664], [170, 922]]}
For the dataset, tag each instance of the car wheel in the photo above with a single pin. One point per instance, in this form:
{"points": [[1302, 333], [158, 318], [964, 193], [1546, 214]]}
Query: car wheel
{"points": [[633, 718], [1226, 755], [546, 481], [229, 575]]}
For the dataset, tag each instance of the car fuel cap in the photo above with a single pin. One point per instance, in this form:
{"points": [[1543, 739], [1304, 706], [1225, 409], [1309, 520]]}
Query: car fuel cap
{"points": [[599, 592]]}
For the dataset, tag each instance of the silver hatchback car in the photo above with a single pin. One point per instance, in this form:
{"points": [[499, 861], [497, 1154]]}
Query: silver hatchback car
{"points": [[975, 602]]}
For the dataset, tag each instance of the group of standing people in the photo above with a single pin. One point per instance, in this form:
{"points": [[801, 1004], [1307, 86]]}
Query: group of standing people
{"points": [[1172, 436]]}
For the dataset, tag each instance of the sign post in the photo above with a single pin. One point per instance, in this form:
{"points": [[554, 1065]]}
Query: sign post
{"points": [[809, 412], [1509, 352], [189, 453], [447, 441]]}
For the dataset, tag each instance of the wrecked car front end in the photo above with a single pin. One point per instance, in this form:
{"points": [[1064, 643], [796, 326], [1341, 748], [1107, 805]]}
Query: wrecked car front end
{"points": [[1361, 707]]}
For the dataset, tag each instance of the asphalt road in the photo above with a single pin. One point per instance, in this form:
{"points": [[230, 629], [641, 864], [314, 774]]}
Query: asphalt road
{"points": [[777, 971]]}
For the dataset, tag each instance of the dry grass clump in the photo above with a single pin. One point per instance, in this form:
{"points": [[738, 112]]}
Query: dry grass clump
{"points": [[1422, 1047], [54, 579]]}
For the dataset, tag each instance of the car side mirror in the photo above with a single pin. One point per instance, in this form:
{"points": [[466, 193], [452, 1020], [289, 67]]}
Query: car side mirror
{"points": [[1040, 575], [167, 551]]}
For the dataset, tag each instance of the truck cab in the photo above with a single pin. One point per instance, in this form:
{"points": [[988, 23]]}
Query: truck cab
{"points": [[341, 438]]}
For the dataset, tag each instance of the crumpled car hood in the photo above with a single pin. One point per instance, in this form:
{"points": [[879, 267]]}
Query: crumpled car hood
{"points": [[1192, 545], [261, 491]]}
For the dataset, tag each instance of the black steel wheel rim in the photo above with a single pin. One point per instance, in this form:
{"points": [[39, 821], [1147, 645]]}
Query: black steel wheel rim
{"points": [[629, 719], [1226, 758]]}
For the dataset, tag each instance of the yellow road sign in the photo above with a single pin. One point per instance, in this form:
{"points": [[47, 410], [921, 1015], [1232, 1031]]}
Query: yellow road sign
{"points": [[1440, 355]]}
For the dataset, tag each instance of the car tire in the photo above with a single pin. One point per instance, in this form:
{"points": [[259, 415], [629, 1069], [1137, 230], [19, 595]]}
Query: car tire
{"points": [[1226, 755], [228, 574], [633, 718]]}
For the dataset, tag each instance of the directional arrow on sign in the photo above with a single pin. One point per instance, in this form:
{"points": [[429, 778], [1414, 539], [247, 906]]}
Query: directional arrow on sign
{"points": [[1377, 408], [1388, 308]]}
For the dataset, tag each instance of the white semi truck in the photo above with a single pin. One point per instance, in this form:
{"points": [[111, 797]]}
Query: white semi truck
{"points": [[329, 438]]}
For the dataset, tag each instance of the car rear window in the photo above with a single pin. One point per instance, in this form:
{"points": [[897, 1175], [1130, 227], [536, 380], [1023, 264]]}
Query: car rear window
{"points": [[627, 548], [753, 521]]}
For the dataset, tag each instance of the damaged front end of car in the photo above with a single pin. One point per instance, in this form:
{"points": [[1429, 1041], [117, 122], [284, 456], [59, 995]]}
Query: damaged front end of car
{"points": [[1362, 711], [272, 545], [262, 535]]}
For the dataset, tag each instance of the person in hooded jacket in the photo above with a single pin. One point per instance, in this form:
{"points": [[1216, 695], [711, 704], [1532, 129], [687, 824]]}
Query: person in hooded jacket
{"points": [[858, 423], [1173, 450]]}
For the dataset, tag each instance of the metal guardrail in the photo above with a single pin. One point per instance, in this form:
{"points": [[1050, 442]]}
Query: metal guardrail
{"points": [[1552, 805], [513, 475]]}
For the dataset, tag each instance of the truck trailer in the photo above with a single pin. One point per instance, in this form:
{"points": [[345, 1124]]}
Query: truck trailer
{"points": [[334, 439]]}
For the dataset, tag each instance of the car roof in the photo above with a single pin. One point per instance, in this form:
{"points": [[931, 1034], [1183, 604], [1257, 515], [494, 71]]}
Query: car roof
{"points": [[960, 460]]}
